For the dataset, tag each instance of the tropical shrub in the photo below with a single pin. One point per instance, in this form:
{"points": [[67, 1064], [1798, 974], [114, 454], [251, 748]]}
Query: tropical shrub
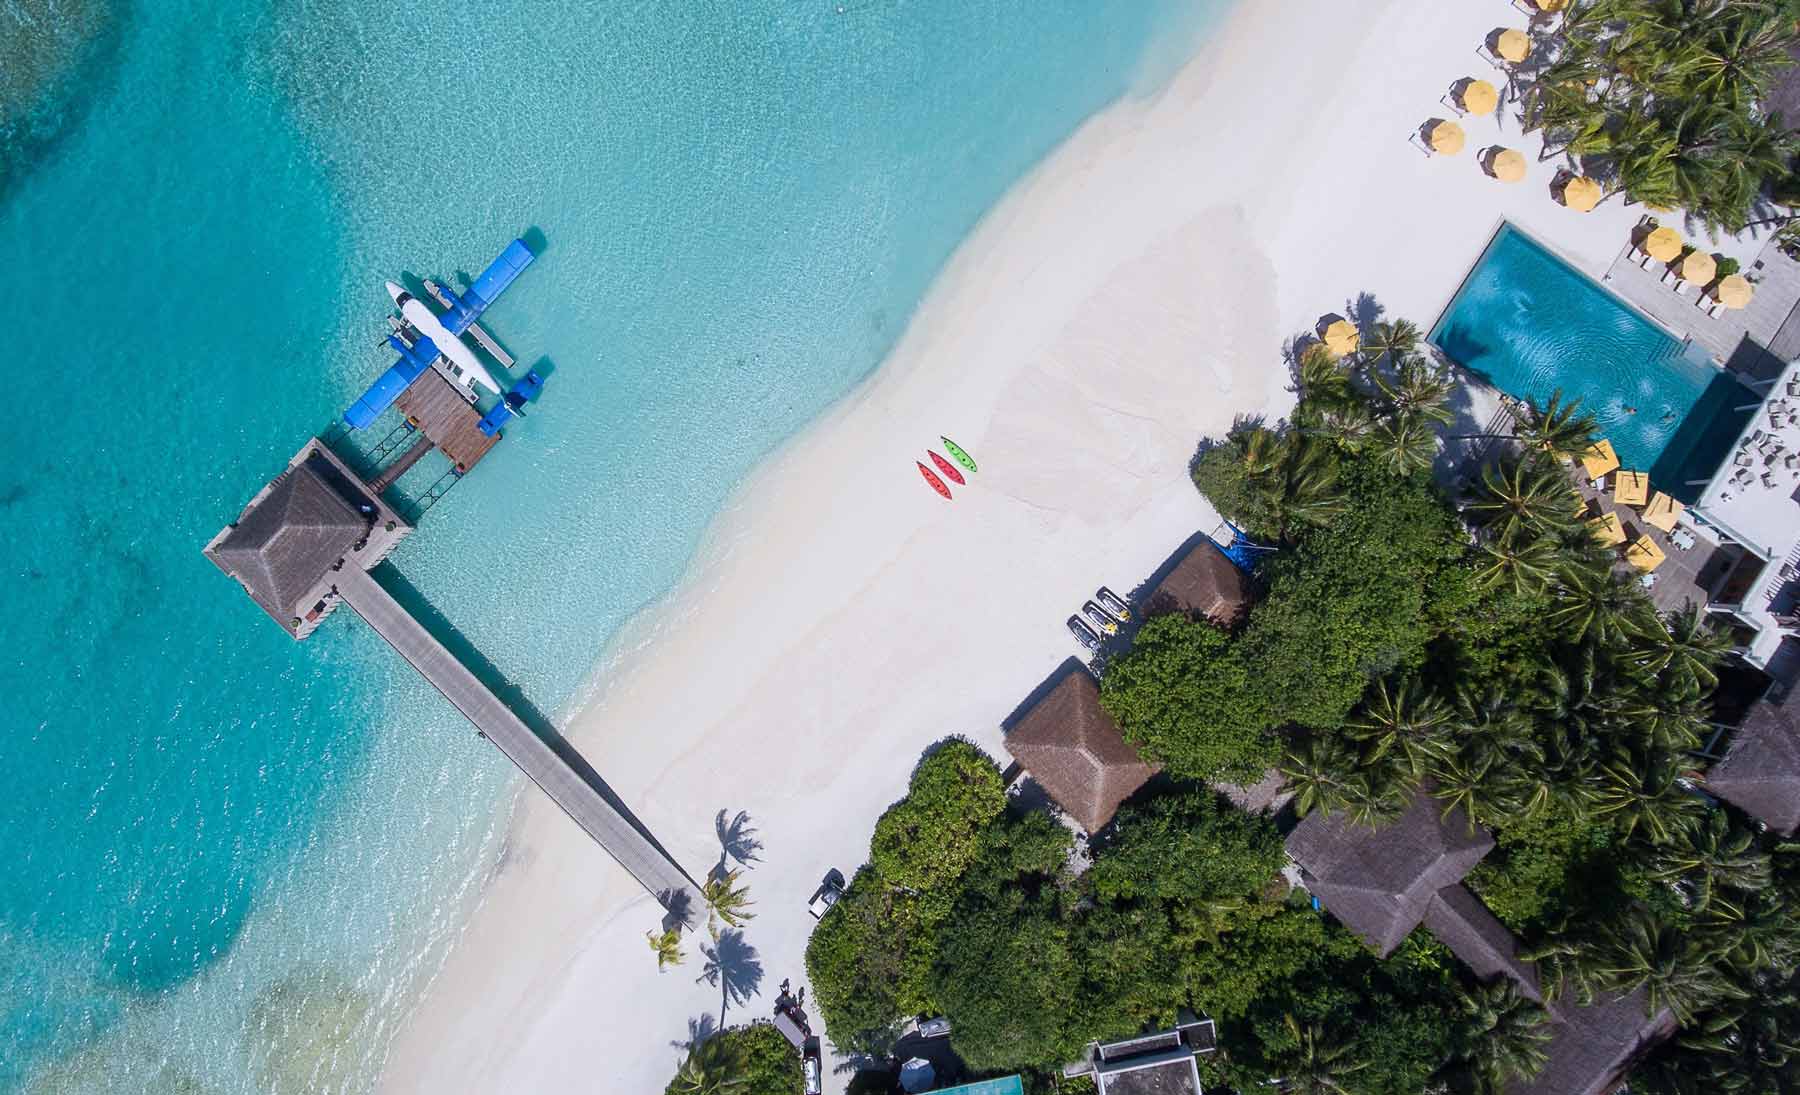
{"points": [[924, 841], [746, 1060], [1181, 695]]}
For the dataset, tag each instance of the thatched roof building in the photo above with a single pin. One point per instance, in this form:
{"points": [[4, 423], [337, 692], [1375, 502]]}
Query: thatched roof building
{"points": [[1074, 750], [1380, 882], [1458, 919], [285, 545], [1594, 1046], [1761, 770], [1204, 584]]}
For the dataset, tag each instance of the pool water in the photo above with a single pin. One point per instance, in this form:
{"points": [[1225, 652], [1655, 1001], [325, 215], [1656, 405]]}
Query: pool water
{"points": [[1530, 324]]}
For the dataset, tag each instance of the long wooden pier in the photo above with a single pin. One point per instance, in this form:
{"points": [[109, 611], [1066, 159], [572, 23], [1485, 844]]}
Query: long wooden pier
{"points": [[584, 803]]}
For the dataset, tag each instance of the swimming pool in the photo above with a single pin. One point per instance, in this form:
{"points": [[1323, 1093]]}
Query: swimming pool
{"points": [[1529, 323]]}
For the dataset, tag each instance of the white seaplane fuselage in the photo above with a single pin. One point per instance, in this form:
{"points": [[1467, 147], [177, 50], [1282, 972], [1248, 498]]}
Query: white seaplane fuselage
{"points": [[453, 349]]}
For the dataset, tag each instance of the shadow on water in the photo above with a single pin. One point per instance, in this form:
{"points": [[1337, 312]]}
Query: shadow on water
{"points": [[1704, 439], [492, 678]]}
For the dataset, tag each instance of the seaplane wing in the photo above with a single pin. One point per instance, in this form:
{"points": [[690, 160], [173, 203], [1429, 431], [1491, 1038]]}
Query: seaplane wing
{"points": [[487, 288], [436, 336]]}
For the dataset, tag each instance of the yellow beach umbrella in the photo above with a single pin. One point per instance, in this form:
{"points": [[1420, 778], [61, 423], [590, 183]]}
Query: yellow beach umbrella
{"points": [[1600, 459], [1448, 138], [1644, 554], [1550, 6], [1699, 267], [1581, 194], [1513, 45], [1480, 97], [1663, 244], [1341, 337], [1509, 165], [1734, 291]]}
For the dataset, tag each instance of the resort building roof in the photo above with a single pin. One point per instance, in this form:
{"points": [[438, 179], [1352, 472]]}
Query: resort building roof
{"points": [[1751, 500], [1381, 882], [1203, 583], [1761, 770], [1593, 1046], [1459, 920], [1072, 747], [285, 543]]}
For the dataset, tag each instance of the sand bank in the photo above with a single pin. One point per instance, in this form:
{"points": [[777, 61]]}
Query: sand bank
{"points": [[1128, 297]]}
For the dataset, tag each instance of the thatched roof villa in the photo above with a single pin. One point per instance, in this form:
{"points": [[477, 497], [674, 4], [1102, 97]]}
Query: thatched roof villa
{"points": [[1072, 747], [1760, 774], [1201, 582]]}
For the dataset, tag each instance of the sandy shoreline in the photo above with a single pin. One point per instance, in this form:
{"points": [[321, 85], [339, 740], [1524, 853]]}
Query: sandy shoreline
{"points": [[1128, 297]]}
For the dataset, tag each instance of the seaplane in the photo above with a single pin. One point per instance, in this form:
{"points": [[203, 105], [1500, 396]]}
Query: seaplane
{"points": [[425, 339]]}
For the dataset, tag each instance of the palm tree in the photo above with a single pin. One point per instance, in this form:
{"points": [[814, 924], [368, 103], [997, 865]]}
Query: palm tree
{"points": [[1521, 497], [1396, 339], [709, 1068], [1641, 792], [1406, 718], [1507, 1034], [1403, 444], [1686, 646], [1600, 606], [726, 900], [1324, 381], [1714, 854], [667, 946], [1319, 1063], [1524, 566], [1302, 491], [1672, 966], [1416, 389], [1559, 430], [1318, 771]]}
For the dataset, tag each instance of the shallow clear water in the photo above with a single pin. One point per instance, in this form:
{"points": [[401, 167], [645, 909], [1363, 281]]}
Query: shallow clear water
{"points": [[1531, 324], [231, 859]]}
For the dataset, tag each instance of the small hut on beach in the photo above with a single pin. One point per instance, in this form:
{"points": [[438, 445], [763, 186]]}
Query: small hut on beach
{"points": [[1073, 749], [1204, 584]]}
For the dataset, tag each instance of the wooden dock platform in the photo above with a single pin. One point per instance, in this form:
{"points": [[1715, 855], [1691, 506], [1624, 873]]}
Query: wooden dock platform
{"points": [[585, 805], [447, 419]]}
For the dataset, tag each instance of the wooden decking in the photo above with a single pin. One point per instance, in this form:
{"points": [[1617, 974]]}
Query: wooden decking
{"points": [[447, 419], [585, 804]]}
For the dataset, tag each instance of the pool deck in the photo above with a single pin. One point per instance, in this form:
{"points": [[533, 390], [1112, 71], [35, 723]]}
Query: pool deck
{"points": [[1754, 342]]}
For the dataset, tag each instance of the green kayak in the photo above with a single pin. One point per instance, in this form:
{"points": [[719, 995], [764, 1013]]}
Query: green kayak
{"points": [[957, 453]]}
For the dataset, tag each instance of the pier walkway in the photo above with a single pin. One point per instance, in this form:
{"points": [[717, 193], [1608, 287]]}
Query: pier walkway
{"points": [[584, 803]]}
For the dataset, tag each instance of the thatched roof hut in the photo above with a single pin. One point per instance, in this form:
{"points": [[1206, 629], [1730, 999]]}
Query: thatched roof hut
{"points": [[1761, 770], [1380, 882], [290, 537], [1204, 584], [1074, 750], [1459, 920]]}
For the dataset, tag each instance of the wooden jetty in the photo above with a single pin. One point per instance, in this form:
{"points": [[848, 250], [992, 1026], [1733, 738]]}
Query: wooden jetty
{"points": [[308, 540], [584, 804]]}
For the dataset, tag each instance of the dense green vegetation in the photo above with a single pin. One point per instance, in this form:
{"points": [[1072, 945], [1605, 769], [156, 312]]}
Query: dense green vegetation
{"points": [[746, 1060], [1665, 100], [1481, 649], [1182, 907]]}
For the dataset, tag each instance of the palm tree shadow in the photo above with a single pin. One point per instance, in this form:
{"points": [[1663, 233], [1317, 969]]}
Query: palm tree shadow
{"points": [[699, 1029], [737, 840], [733, 967]]}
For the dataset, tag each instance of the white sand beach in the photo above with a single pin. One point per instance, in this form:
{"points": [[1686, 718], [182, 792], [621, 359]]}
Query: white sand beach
{"points": [[1130, 296]]}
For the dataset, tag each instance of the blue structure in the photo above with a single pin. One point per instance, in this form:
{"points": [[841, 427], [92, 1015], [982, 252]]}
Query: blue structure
{"points": [[413, 362], [525, 391], [1243, 551]]}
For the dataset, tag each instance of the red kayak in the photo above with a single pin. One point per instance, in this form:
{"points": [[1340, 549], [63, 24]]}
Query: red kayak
{"points": [[948, 469], [936, 483]]}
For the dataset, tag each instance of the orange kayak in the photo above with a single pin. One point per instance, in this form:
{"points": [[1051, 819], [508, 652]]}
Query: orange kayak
{"points": [[948, 469], [936, 483]]}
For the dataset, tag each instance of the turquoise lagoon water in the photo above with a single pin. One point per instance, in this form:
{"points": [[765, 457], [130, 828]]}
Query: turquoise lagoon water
{"points": [[1532, 324], [231, 860]]}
